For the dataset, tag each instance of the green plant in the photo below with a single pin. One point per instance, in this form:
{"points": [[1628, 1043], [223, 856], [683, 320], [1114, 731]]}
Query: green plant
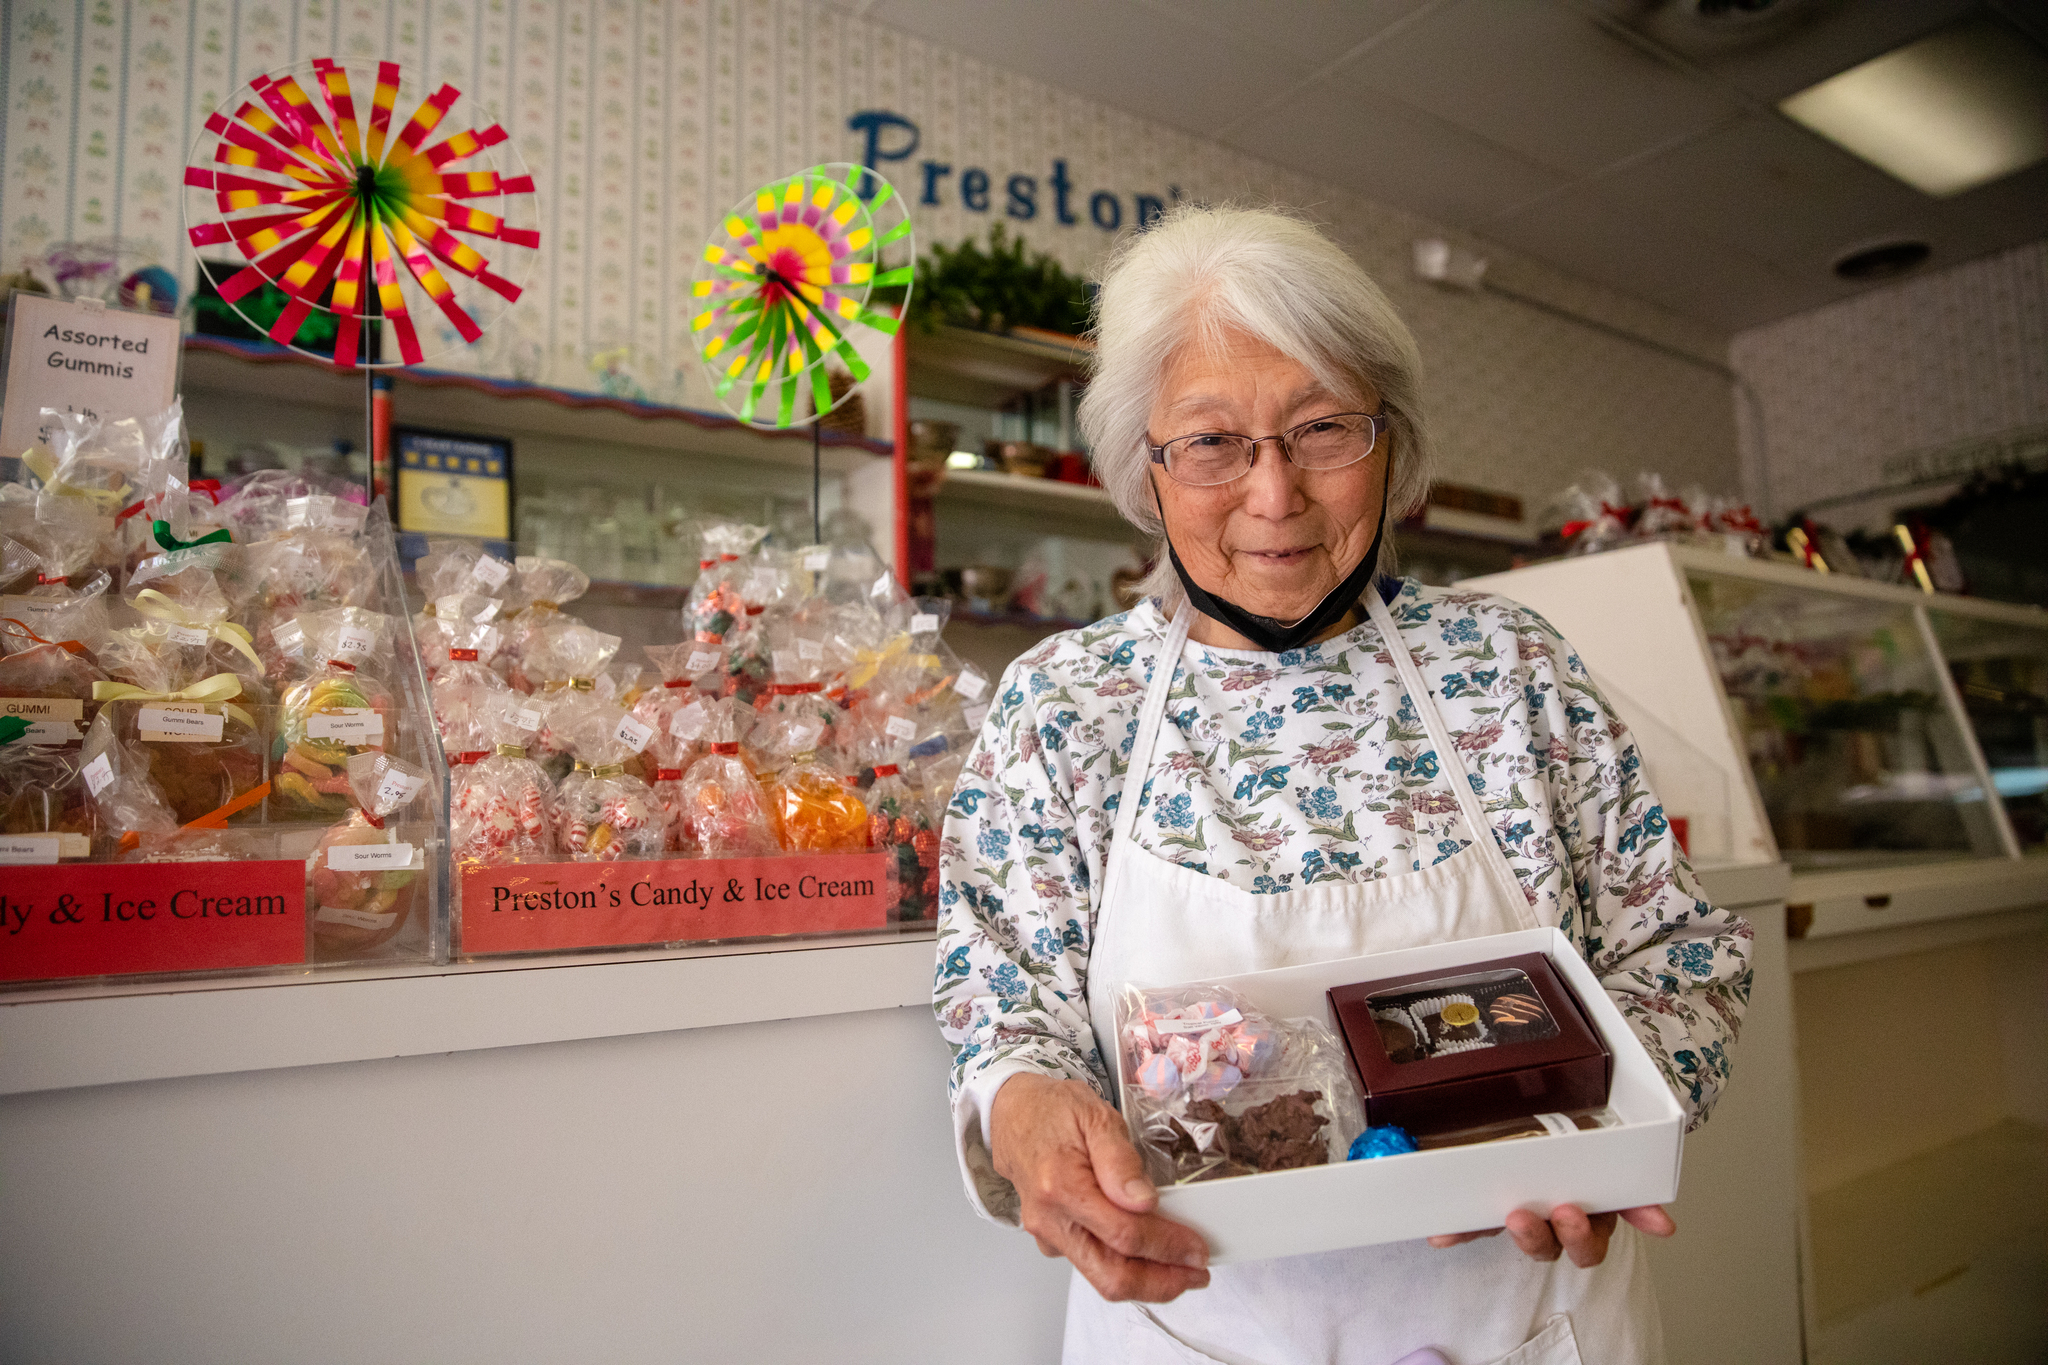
{"points": [[996, 288]]}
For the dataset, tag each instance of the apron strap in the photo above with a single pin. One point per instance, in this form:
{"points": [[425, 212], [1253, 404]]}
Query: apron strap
{"points": [[1164, 666], [1451, 763]]}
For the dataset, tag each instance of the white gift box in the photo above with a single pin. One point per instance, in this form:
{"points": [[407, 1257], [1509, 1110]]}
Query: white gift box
{"points": [[1453, 1189]]}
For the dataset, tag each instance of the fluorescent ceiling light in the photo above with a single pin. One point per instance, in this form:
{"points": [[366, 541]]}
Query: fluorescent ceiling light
{"points": [[1945, 114]]}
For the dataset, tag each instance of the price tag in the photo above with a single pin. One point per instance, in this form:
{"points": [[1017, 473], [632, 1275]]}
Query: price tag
{"points": [[761, 583], [786, 662], [803, 736], [882, 585], [188, 635], [971, 685], [809, 650], [369, 857], [491, 571], [633, 733], [397, 788], [688, 723], [924, 623], [704, 660], [900, 727], [357, 919], [1557, 1125], [348, 724], [975, 714], [289, 637], [98, 774], [526, 718], [353, 643], [817, 561], [180, 725]]}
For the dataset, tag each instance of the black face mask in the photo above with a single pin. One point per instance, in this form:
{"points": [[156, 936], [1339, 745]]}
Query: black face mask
{"points": [[1276, 637]]}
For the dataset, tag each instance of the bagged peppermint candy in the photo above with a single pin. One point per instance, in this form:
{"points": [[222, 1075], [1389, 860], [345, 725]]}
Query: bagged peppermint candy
{"points": [[602, 811], [501, 807]]}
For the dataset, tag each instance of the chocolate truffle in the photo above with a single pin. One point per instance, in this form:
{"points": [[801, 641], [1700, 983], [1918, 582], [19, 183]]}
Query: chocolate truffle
{"points": [[1515, 1010], [1397, 1038]]}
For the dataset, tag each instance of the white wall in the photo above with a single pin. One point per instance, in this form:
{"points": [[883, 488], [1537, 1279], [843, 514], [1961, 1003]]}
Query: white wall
{"points": [[767, 1192], [1940, 369]]}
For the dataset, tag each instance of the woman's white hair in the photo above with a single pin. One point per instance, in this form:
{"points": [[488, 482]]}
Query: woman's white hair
{"points": [[1197, 275]]}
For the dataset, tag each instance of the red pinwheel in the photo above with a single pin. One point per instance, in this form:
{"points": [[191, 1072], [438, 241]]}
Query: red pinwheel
{"points": [[348, 220]]}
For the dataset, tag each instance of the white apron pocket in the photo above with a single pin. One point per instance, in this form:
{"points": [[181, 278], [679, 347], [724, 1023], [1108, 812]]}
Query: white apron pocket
{"points": [[1554, 1345]]}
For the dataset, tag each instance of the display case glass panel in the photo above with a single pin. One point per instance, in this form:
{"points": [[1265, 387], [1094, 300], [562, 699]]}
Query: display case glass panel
{"points": [[2001, 671], [1858, 757]]}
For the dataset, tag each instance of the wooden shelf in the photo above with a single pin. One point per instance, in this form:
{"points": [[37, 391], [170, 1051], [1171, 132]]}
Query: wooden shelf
{"points": [[987, 369], [1066, 502], [497, 407]]}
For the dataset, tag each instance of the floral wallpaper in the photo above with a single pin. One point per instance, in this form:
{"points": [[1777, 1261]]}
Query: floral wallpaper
{"points": [[641, 119]]}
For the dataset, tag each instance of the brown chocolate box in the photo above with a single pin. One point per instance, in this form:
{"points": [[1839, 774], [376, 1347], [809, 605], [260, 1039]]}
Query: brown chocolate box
{"points": [[1570, 1069]]}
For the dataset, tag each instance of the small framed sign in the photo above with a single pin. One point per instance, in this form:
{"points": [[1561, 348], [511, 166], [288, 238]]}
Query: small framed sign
{"points": [[451, 484]]}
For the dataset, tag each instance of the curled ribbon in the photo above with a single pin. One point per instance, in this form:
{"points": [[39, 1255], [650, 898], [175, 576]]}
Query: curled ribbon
{"points": [[162, 531], [149, 602], [868, 662], [220, 688], [44, 466]]}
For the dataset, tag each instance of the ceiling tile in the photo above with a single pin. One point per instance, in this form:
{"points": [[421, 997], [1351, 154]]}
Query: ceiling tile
{"points": [[1765, 187], [2004, 213], [1663, 261], [1114, 51], [1383, 150], [1311, 31], [1542, 80], [1768, 56]]}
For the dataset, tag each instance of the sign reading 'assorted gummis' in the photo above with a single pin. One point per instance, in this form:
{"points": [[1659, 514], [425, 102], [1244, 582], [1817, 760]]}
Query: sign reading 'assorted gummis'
{"points": [[101, 919], [79, 357]]}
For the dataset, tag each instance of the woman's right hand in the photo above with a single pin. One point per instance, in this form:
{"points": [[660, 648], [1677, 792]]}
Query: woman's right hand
{"points": [[1084, 1193]]}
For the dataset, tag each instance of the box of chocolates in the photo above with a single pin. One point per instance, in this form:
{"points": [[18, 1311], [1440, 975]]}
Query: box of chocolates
{"points": [[1496, 1041], [1602, 1129]]}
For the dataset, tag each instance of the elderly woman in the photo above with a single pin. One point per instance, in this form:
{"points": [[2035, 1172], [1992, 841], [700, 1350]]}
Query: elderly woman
{"points": [[1287, 754]]}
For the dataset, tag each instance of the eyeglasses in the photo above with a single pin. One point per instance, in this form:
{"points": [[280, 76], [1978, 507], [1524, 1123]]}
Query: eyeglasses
{"points": [[1212, 457]]}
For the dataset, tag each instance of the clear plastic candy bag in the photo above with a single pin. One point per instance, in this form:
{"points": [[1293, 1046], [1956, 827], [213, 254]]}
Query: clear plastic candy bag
{"points": [[723, 804], [501, 808], [1217, 1089], [602, 812], [362, 879], [340, 709]]}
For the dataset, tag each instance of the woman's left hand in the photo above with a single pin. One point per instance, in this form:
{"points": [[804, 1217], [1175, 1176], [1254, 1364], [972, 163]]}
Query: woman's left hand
{"points": [[1569, 1231]]}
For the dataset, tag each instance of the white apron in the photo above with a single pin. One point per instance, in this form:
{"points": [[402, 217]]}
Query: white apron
{"points": [[1481, 1303]]}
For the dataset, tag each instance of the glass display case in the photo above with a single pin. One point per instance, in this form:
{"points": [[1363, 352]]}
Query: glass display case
{"points": [[1889, 745], [1858, 756], [2000, 669]]}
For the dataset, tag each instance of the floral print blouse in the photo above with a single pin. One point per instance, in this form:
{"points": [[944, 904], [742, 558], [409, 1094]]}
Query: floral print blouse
{"points": [[1275, 771]]}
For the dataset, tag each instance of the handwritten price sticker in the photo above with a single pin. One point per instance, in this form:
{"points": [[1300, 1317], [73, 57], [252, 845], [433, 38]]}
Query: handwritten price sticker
{"points": [[633, 734]]}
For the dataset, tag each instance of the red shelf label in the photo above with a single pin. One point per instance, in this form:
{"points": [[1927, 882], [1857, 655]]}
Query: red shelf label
{"points": [[105, 919], [539, 907]]}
